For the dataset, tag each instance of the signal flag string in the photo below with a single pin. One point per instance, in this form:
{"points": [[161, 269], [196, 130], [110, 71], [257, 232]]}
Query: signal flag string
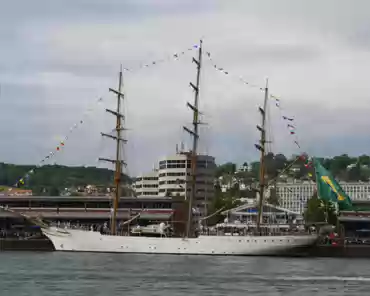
{"points": [[172, 57], [290, 124], [59, 146]]}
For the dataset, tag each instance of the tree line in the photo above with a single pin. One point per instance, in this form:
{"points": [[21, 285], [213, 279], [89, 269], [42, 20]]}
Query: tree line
{"points": [[343, 167], [51, 179]]}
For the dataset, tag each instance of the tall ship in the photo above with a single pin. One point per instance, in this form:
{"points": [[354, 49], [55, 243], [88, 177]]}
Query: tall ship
{"points": [[181, 235]]}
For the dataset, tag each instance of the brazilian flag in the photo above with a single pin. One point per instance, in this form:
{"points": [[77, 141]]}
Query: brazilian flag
{"points": [[328, 188]]}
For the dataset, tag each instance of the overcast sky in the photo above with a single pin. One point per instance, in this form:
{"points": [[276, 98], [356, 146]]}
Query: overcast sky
{"points": [[58, 57]]}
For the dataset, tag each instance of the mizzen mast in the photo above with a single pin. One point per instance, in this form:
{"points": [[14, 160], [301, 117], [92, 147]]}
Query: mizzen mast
{"points": [[262, 148], [195, 134], [117, 161]]}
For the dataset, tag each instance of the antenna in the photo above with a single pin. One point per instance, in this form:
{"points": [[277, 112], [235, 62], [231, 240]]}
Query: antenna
{"points": [[261, 148], [118, 162], [195, 135]]}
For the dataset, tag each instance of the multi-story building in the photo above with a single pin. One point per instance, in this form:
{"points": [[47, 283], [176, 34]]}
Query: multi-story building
{"points": [[357, 190], [174, 178], [147, 184], [294, 195]]}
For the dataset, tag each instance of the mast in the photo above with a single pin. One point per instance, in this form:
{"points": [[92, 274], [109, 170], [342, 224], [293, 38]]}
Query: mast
{"points": [[262, 149], [117, 161], [195, 135]]}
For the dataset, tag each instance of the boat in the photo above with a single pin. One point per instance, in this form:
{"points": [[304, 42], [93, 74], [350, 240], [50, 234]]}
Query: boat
{"points": [[158, 239]]}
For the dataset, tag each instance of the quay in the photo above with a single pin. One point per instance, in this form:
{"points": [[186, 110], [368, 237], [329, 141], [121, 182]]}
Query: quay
{"points": [[16, 233]]}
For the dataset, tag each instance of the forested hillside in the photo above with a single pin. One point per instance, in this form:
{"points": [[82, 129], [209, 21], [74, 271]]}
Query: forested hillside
{"points": [[343, 167], [54, 178]]}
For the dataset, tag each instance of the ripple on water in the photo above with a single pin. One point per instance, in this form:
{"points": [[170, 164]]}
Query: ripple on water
{"points": [[82, 274]]}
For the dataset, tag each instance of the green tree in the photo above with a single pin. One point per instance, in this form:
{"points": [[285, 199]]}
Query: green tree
{"points": [[313, 212], [227, 168], [270, 167], [255, 170], [273, 198], [223, 200], [354, 173], [340, 163], [319, 211], [54, 191], [364, 160], [280, 161]]}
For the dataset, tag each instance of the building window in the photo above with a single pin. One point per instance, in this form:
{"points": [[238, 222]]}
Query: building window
{"points": [[150, 185], [150, 178]]}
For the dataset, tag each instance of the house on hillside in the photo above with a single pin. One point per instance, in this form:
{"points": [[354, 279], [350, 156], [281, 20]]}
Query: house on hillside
{"points": [[16, 192]]}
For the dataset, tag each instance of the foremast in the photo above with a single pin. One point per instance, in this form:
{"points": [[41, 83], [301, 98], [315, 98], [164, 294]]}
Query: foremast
{"points": [[262, 148], [195, 134], [119, 163]]}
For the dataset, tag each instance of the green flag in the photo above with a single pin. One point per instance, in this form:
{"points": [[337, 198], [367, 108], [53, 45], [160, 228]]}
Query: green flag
{"points": [[329, 189]]}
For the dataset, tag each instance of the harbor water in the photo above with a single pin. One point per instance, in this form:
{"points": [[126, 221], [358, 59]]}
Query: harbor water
{"points": [[86, 274]]}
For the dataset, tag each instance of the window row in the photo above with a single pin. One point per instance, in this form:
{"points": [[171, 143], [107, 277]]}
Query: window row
{"points": [[146, 179], [147, 186]]}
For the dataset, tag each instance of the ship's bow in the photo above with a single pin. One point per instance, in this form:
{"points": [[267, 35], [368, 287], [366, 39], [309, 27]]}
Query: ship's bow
{"points": [[61, 239]]}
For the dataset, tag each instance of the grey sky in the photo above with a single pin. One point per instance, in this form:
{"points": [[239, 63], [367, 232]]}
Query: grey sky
{"points": [[58, 57]]}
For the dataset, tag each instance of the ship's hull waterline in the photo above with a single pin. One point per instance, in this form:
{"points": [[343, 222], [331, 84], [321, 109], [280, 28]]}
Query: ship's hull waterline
{"points": [[74, 240]]}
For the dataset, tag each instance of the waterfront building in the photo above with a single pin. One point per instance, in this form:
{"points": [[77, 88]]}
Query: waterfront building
{"points": [[87, 209], [294, 195], [147, 184], [248, 213], [358, 191], [173, 178]]}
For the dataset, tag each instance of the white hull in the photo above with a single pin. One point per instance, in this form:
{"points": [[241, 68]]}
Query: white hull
{"points": [[89, 241]]}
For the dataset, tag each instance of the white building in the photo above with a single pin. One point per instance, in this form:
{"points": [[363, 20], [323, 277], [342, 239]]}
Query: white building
{"points": [[248, 212], [357, 190], [174, 178], [294, 195], [147, 184]]}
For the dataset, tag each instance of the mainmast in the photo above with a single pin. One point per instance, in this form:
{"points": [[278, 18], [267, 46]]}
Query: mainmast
{"points": [[118, 162], [262, 148], [195, 135]]}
